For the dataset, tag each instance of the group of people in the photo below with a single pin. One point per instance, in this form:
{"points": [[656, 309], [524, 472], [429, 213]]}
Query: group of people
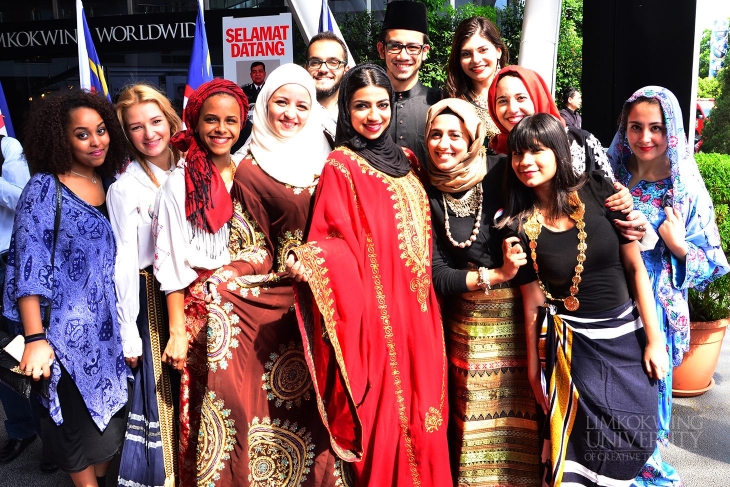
{"points": [[387, 286]]}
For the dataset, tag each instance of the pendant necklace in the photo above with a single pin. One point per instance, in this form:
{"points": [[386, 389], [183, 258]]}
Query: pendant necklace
{"points": [[533, 228], [92, 178]]}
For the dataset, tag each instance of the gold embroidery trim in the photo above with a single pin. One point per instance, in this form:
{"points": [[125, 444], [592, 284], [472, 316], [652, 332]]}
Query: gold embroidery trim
{"points": [[166, 412]]}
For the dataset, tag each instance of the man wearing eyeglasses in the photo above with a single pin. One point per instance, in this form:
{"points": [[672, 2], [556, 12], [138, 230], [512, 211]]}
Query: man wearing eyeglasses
{"points": [[327, 63], [404, 46]]}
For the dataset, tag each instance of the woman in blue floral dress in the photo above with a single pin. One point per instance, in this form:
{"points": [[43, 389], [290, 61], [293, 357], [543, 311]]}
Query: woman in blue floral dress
{"points": [[650, 156], [73, 143]]}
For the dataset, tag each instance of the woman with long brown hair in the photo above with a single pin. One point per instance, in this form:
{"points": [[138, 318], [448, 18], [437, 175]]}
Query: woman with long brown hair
{"points": [[149, 121], [477, 54]]}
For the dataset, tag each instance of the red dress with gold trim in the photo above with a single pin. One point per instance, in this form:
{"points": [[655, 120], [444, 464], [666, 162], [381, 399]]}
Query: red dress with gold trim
{"points": [[372, 330], [259, 421]]}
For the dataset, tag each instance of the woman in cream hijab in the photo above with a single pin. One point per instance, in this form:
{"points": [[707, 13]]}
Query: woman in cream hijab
{"points": [[493, 416], [259, 420]]}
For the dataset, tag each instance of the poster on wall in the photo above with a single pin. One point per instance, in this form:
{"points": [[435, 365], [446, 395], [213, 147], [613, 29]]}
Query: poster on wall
{"points": [[249, 40]]}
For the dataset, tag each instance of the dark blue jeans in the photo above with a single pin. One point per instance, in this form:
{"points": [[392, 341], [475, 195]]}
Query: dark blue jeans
{"points": [[20, 422]]}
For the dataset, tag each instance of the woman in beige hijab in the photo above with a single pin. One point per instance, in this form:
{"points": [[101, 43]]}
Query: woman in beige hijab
{"points": [[494, 433]]}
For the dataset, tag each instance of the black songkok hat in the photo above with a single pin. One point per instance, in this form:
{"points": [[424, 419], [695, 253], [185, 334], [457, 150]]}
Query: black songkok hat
{"points": [[407, 15]]}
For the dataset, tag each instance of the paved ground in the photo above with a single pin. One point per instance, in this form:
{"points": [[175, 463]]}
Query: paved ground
{"points": [[700, 448]]}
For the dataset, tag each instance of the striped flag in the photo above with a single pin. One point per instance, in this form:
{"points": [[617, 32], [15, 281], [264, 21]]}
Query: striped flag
{"points": [[200, 70], [91, 74], [325, 18], [6, 126]]}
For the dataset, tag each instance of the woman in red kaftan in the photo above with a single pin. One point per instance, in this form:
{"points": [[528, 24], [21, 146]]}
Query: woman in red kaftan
{"points": [[369, 317]]}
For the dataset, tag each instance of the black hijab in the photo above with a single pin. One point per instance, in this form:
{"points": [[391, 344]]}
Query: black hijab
{"points": [[382, 153]]}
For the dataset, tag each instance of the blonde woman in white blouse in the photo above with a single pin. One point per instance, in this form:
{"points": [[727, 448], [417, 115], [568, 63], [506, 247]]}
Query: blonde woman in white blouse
{"points": [[149, 121]]}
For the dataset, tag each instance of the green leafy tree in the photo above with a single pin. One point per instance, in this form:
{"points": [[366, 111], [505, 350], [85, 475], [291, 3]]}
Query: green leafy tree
{"points": [[569, 69], [361, 31], [716, 134], [708, 88], [705, 54], [509, 22]]}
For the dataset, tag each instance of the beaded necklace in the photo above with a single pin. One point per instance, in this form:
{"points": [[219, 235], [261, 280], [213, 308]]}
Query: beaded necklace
{"points": [[467, 205]]}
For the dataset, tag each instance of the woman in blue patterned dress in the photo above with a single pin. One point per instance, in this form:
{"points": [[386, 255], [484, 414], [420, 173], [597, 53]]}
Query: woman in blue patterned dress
{"points": [[74, 143], [650, 156]]}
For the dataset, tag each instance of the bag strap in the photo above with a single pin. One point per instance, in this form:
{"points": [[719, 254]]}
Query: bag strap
{"points": [[56, 225]]}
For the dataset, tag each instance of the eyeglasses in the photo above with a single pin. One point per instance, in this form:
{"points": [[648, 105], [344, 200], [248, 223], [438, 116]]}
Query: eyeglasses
{"points": [[396, 47], [332, 64]]}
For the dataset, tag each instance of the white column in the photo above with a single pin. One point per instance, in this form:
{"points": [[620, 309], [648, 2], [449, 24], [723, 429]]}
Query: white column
{"points": [[539, 44]]}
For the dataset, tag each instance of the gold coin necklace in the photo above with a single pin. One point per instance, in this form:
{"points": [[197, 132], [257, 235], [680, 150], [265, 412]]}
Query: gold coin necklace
{"points": [[533, 228]]}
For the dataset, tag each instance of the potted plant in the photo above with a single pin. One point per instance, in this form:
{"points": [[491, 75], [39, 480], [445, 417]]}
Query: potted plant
{"points": [[709, 309]]}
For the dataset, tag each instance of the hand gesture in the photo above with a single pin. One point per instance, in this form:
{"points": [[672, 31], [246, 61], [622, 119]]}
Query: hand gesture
{"points": [[176, 351], [634, 227], [132, 361], [656, 361], [673, 232], [37, 359], [621, 201], [514, 257], [297, 270]]}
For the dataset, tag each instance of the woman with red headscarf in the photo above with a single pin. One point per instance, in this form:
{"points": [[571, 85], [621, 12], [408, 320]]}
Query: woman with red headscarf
{"points": [[517, 92], [192, 239]]}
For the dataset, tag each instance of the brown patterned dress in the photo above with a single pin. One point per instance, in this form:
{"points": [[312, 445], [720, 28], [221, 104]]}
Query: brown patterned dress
{"points": [[259, 421]]}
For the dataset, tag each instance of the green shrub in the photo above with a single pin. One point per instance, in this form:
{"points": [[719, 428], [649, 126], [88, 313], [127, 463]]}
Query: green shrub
{"points": [[716, 134], [714, 302]]}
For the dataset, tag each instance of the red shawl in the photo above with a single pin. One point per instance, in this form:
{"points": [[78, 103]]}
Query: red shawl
{"points": [[371, 325], [539, 94], [208, 205]]}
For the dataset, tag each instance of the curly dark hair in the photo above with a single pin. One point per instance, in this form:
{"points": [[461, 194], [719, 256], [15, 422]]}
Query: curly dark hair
{"points": [[46, 145]]}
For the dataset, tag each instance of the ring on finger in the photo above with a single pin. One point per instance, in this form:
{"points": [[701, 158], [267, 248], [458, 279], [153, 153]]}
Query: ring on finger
{"points": [[641, 228]]}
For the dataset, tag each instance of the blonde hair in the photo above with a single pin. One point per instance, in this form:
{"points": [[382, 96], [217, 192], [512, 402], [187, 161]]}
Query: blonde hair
{"points": [[143, 93]]}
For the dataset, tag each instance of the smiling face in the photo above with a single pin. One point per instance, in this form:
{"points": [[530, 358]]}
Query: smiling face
{"points": [[219, 124], [448, 141], [288, 110], [370, 111], [478, 58], [646, 132], [535, 169], [149, 132], [326, 80], [87, 135], [513, 101], [402, 67]]}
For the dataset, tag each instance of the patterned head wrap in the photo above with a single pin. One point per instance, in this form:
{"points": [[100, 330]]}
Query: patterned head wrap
{"points": [[705, 261], [539, 94], [208, 205], [471, 170]]}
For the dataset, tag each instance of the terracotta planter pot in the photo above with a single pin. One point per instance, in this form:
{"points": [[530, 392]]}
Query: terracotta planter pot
{"points": [[694, 376]]}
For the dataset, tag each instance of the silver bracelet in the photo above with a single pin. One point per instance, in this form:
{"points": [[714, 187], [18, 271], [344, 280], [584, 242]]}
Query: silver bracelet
{"points": [[483, 280]]}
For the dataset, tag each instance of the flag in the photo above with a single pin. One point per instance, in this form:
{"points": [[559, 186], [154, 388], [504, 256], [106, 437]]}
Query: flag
{"points": [[6, 126], [311, 21], [200, 70], [325, 18], [91, 74]]}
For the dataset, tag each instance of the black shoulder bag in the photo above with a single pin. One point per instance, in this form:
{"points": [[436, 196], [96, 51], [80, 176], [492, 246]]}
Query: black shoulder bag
{"points": [[10, 373]]}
